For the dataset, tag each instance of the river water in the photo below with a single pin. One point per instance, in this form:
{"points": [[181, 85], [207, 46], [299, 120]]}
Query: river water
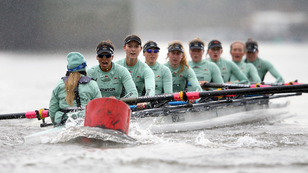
{"points": [[276, 145]]}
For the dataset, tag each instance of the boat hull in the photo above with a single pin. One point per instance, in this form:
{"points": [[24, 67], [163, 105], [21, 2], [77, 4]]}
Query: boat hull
{"points": [[203, 115]]}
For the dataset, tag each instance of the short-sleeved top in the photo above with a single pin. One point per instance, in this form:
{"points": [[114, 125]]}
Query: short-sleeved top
{"points": [[264, 66], [163, 78], [181, 79], [228, 68], [249, 70], [142, 75], [112, 82]]}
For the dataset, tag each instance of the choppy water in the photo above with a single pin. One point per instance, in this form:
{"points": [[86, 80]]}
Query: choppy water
{"points": [[261, 145]]}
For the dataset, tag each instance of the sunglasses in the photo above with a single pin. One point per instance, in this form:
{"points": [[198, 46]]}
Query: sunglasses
{"points": [[150, 50], [105, 55]]}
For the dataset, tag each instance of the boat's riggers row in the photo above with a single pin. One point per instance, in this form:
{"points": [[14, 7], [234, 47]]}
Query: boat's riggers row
{"points": [[182, 96], [261, 99], [39, 114]]}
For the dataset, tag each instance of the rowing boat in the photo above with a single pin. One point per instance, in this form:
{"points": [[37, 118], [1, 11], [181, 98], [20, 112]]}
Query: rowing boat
{"points": [[200, 115], [108, 113]]}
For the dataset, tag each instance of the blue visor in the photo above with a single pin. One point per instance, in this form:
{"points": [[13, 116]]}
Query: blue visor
{"points": [[83, 65]]}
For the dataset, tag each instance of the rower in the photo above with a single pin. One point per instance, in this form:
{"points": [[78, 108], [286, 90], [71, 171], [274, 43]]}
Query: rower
{"points": [[181, 73], [163, 77], [262, 66], [141, 73], [237, 51], [111, 77], [226, 67], [73, 90], [205, 71]]}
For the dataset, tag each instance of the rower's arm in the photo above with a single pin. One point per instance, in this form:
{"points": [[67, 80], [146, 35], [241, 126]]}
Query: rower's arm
{"points": [[149, 81], [96, 92], [129, 85], [167, 80], [191, 77], [53, 105], [216, 75], [274, 72], [253, 73], [236, 71]]}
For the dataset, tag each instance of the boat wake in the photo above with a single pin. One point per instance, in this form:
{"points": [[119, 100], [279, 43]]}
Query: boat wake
{"points": [[96, 133], [80, 134]]}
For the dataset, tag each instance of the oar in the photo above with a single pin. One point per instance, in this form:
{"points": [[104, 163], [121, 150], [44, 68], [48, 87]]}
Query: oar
{"points": [[40, 114], [182, 96], [174, 103], [280, 84], [231, 86]]}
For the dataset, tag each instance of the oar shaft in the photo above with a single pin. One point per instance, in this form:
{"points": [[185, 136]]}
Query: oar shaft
{"points": [[231, 86], [135, 100], [224, 85], [12, 116]]}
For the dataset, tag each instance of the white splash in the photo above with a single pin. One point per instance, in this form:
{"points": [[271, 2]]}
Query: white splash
{"points": [[201, 140]]}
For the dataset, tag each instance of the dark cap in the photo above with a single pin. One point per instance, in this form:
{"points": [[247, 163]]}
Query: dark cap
{"points": [[149, 45], [251, 46], [214, 43], [132, 38], [175, 46], [104, 48], [196, 45]]}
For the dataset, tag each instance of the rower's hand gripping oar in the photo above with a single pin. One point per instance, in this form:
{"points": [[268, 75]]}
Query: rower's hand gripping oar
{"points": [[39, 114], [281, 84], [182, 96], [231, 86], [254, 85]]}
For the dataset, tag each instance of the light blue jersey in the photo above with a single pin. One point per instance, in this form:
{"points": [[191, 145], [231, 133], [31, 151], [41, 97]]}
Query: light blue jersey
{"points": [[163, 78], [264, 66], [142, 75]]}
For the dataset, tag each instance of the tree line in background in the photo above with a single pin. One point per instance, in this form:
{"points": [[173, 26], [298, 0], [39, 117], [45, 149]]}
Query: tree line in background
{"points": [[40, 25]]}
